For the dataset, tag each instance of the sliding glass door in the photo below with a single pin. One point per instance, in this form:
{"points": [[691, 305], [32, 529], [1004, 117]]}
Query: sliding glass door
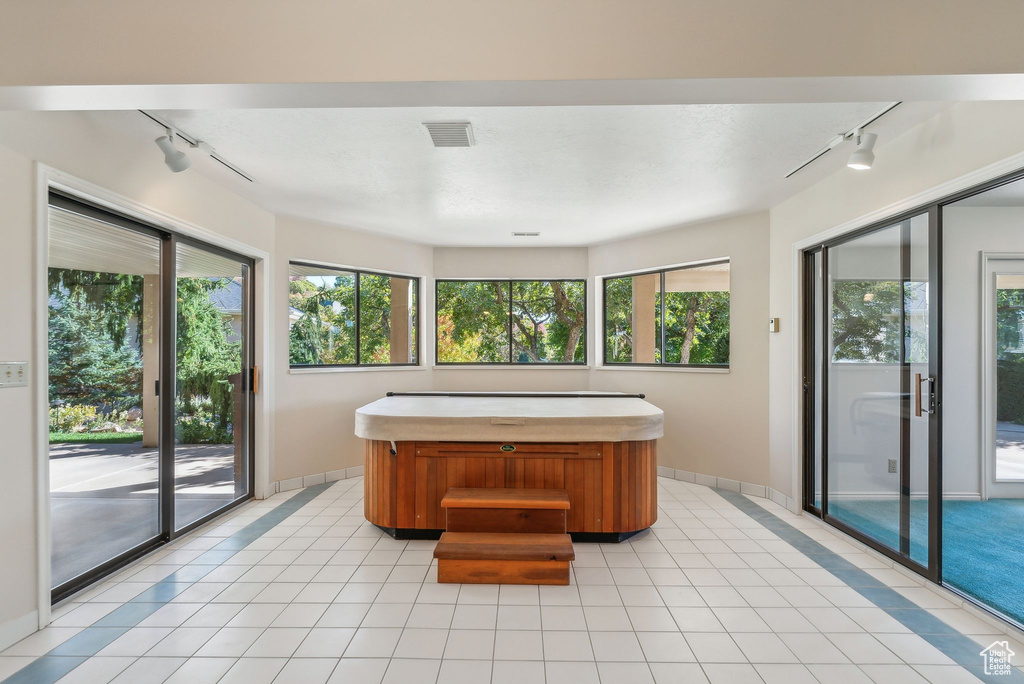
{"points": [[104, 352], [870, 386], [133, 309], [211, 406]]}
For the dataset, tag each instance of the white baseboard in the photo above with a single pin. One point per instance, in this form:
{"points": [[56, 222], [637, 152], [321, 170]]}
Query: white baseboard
{"points": [[725, 483], [13, 631], [317, 478]]}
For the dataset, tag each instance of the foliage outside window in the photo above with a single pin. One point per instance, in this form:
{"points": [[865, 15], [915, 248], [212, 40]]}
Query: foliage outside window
{"points": [[511, 321], [868, 324], [677, 317], [1009, 350], [341, 317], [95, 347]]}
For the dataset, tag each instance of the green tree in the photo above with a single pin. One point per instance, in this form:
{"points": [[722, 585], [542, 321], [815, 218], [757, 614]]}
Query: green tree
{"points": [[115, 297], [1009, 355], [206, 359], [86, 365], [375, 318], [316, 337], [1009, 316], [477, 312], [696, 325], [548, 319], [90, 316], [534, 321], [618, 322]]}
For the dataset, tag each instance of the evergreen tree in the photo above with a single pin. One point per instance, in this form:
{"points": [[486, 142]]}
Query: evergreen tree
{"points": [[86, 364]]}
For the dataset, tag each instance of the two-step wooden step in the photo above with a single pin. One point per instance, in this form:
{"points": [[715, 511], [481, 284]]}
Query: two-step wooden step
{"points": [[504, 536]]}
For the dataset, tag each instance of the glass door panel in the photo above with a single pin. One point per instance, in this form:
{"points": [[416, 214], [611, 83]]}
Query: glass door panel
{"points": [[104, 358], [983, 373], [917, 341], [212, 408], [876, 366], [865, 378]]}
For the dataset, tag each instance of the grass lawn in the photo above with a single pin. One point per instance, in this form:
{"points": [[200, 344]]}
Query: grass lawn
{"points": [[95, 437]]}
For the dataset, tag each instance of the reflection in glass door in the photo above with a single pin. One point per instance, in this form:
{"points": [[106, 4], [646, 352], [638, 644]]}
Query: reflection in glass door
{"points": [[212, 401], [870, 387]]}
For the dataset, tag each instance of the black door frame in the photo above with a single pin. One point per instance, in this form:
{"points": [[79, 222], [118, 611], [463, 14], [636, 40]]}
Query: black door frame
{"points": [[169, 336], [934, 210], [166, 375], [812, 393]]}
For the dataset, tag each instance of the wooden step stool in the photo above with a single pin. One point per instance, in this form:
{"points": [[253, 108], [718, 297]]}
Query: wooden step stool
{"points": [[504, 536]]}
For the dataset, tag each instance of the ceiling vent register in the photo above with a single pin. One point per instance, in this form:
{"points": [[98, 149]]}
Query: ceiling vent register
{"points": [[451, 133]]}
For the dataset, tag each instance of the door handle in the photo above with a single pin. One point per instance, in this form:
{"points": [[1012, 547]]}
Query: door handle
{"points": [[923, 404]]}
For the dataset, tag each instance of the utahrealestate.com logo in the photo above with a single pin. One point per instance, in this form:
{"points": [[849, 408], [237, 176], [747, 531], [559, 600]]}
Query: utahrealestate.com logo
{"points": [[997, 658]]}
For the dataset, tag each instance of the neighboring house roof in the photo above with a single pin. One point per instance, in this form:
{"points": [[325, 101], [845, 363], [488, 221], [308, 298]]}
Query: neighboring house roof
{"points": [[228, 299]]}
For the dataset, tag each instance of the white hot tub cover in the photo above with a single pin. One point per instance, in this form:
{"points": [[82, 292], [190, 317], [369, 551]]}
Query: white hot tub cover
{"points": [[510, 417]]}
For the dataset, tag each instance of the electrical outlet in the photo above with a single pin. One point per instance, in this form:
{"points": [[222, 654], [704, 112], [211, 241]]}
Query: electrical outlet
{"points": [[892, 465], [14, 374]]}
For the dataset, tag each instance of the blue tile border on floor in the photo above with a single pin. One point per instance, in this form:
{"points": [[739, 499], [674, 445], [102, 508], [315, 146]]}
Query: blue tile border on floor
{"points": [[62, 659], [45, 668], [960, 648]]}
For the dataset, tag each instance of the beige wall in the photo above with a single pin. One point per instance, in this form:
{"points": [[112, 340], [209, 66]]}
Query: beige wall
{"points": [[961, 139], [18, 584], [715, 423], [128, 165], [312, 41], [314, 411]]}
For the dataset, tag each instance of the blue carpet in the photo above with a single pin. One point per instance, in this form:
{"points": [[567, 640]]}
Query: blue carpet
{"points": [[982, 543]]}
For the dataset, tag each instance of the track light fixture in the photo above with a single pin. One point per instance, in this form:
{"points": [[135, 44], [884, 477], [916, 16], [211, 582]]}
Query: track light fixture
{"points": [[864, 155], [176, 160]]}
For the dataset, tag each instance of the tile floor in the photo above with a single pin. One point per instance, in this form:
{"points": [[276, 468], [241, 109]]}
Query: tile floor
{"points": [[300, 589]]}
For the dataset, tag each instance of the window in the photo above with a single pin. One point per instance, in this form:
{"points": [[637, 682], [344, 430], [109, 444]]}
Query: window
{"points": [[341, 317], [511, 321], [677, 317]]}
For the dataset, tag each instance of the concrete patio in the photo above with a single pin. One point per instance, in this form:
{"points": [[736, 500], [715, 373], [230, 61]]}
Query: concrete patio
{"points": [[103, 497]]}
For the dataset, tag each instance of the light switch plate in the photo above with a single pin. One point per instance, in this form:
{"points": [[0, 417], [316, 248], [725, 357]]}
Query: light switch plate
{"points": [[13, 374]]}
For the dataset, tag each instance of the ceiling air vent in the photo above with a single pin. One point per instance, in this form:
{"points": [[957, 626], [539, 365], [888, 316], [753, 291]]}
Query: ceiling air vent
{"points": [[515, 234], [451, 133]]}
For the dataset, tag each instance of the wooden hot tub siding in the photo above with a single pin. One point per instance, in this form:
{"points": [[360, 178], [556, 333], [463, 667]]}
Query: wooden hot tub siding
{"points": [[612, 486]]}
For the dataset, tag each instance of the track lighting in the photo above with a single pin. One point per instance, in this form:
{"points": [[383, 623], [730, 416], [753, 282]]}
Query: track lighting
{"points": [[176, 160], [864, 155]]}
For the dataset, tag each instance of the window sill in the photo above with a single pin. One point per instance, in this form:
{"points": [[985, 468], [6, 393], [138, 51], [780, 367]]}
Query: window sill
{"points": [[660, 369], [507, 366], [352, 369]]}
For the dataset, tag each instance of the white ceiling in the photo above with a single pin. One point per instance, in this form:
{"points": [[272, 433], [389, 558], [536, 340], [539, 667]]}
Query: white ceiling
{"points": [[579, 175]]}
